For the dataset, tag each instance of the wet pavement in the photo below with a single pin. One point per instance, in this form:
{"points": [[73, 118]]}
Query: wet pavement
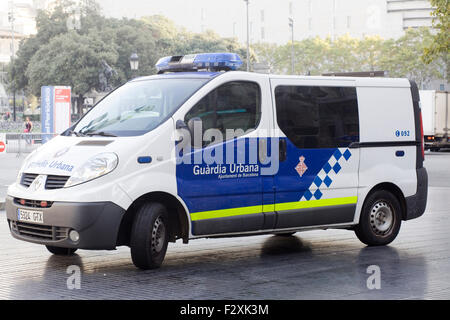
{"points": [[328, 264]]}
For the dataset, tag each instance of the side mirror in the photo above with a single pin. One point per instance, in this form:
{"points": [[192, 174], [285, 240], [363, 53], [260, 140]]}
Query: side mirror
{"points": [[180, 124], [195, 128]]}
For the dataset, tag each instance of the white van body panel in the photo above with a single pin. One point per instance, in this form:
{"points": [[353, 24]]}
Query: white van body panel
{"points": [[124, 184], [384, 112], [399, 171]]}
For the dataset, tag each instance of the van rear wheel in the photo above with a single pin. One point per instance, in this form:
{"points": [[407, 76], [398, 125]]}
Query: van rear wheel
{"points": [[380, 219], [149, 236], [61, 251]]}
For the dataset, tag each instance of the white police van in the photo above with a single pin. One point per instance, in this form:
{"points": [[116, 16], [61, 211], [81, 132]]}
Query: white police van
{"points": [[197, 152]]}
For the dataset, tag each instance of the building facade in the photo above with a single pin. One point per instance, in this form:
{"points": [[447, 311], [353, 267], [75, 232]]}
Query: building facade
{"points": [[269, 19], [24, 14], [413, 13]]}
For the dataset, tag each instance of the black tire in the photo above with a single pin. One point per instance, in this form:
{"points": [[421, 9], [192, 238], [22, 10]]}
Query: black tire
{"points": [[149, 236], [375, 218], [61, 251]]}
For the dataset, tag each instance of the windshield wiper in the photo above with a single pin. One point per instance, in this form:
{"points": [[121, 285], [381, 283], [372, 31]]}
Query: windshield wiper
{"points": [[101, 133], [78, 134]]}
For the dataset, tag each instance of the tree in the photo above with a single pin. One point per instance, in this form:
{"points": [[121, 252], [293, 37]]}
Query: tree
{"points": [[441, 40], [162, 27], [369, 53], [269, 54], [403, 58], [41, 62], [439, 48], [49, 25], [72, 60], [132, 36], [342, 55]]}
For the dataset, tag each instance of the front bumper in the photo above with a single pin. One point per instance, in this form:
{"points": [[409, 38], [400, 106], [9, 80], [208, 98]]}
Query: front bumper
{"points": [[97, 223]]}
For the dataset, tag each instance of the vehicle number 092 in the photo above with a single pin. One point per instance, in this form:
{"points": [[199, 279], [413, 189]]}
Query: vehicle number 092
{"points": [[402, 133]]}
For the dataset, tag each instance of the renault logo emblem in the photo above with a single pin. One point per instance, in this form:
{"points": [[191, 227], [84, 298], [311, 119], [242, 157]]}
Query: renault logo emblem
{"points": [[39, 183]]}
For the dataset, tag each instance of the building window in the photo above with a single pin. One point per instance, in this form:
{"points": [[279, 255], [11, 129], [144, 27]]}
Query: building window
{"points": [[291, 8], [263, 33], [262, 15], [310, 24], [203, 14], [349, 22]]}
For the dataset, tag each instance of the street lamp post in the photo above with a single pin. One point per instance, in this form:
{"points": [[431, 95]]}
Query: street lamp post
{"points": [[248, 39], [291, 25], [333, 22], [134, 62], [11, 20]]}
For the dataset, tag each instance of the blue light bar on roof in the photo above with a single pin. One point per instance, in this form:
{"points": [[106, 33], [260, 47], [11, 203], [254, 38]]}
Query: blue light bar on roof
{"points": [[202, 61]]}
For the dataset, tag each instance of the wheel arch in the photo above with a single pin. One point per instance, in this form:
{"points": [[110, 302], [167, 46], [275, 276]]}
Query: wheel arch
{"points": [[392, 188], [178, 217]]}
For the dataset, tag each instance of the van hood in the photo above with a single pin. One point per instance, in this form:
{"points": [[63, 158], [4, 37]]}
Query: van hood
{"points": [[63, 155]]}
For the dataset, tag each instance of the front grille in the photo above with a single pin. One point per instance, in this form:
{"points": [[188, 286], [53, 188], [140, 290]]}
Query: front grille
{"points": [[27, 179], [41, 232], [56, 182], [32, 203]]}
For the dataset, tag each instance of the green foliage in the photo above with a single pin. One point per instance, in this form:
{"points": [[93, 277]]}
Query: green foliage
{"points": [[440, 46], [315, 56], [70, 59], [59, 56], [403, 57]]}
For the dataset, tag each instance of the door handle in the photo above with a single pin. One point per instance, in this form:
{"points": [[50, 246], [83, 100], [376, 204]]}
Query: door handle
{"points": [[283, 149]]}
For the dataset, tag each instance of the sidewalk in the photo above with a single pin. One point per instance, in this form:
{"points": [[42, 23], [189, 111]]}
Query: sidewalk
{"points": [[9, 168]]}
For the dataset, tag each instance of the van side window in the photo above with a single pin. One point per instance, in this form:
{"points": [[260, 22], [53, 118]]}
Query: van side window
{"points": [[234, 105], [318, 117]]}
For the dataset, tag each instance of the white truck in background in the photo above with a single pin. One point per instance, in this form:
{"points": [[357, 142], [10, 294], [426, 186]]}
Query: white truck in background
{"points": [[436, 119]]}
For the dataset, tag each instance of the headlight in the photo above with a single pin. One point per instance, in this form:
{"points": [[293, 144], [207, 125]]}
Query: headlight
{"points": [[95, 167]]}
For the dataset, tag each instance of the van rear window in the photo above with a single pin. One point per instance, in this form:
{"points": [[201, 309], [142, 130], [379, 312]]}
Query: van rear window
{"points": [[318, 117]]}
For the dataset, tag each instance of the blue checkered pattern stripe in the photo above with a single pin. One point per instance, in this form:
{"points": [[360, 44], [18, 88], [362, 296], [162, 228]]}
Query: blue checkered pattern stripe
{"points": [[327, 174]]}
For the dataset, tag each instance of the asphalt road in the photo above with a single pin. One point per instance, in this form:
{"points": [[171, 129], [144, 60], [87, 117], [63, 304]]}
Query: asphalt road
{"points": [[328, 264]]}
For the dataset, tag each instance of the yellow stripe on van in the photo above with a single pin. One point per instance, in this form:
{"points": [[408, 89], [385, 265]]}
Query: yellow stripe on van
{"points": [[272, 207], [315, 203]]}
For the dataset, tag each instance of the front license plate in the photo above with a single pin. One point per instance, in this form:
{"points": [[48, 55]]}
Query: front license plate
{"points": [[30, 216]]}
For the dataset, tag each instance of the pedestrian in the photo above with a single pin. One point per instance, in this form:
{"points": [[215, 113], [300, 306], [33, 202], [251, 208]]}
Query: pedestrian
{"points": [[28, 128]]}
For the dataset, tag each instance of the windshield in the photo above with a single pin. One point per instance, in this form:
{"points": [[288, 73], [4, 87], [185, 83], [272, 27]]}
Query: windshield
{"points": [[137, 107]]}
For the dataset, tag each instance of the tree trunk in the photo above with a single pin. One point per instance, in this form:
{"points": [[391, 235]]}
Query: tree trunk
{"points": [[80, 101]]}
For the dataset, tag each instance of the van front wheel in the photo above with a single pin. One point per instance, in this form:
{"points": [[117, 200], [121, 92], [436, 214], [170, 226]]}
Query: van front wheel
{"points": [[380, 219], [149, 236]]}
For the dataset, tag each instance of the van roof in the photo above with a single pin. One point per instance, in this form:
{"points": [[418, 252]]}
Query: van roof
{"points": [[180, 75], [359, 81]]}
